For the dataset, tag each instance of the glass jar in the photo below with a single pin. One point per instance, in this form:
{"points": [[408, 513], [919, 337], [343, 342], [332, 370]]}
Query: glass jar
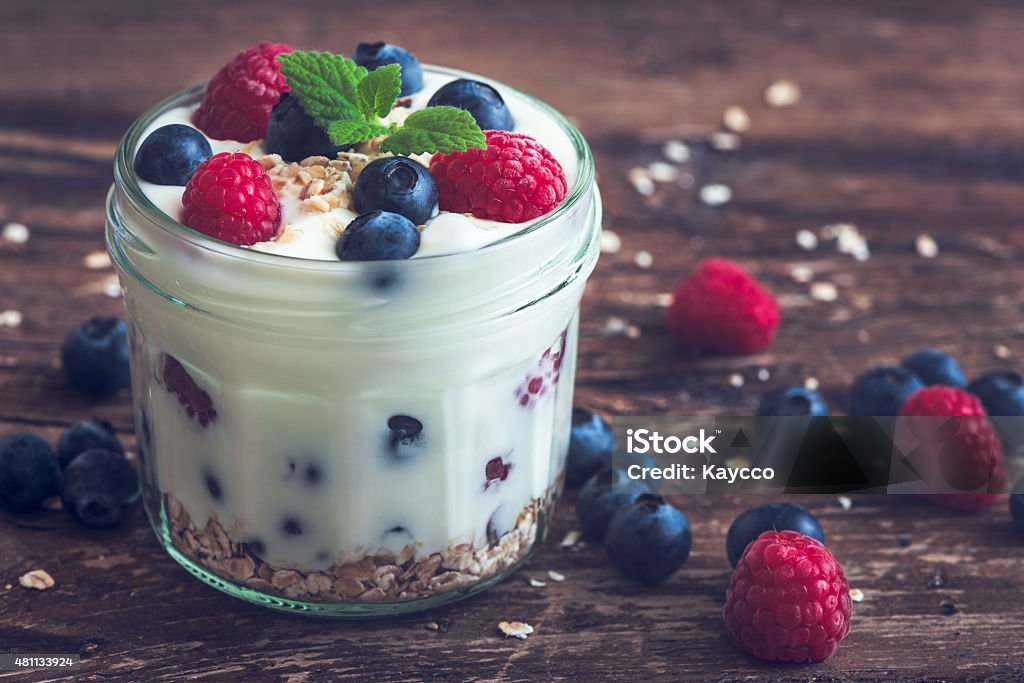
{"points": [[352, 438]]}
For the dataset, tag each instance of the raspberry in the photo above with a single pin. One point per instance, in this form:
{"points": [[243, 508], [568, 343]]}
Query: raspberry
{"points": [[721, 308], [514, 180], [230, 197], [544, 374], [239, 97], [193, 398], [963, 452], [788, 600]]}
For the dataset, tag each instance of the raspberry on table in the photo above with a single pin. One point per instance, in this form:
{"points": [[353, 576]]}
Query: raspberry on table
{"points": [[720, 308], [964, 450], [239, 97], [515, 179], [788, 600], [230, 197]]}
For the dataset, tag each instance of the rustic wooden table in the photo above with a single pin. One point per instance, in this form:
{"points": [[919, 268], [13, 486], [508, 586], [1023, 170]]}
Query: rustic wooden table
{"points": [[910, 124]]}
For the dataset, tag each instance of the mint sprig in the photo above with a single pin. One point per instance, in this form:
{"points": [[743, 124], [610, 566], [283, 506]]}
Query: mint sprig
{"points": [[348, 102]]}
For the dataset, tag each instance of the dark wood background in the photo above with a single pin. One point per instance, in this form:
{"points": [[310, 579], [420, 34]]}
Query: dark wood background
{"points": [[910, 122]]}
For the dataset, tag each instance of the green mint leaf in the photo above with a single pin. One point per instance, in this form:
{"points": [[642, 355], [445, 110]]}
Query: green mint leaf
{"points": [[379, 90], [435, 129], [351, 131], [327, 85]]}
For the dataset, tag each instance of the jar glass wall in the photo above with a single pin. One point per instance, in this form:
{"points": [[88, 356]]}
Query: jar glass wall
{"points": [[351, 438]]}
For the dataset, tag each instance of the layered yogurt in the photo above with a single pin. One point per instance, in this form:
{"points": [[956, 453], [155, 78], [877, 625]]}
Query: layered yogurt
{"points": [[334, 436]]}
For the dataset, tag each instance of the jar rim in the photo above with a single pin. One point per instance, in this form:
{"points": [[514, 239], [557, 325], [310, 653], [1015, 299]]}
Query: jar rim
{"points": [[126, 179]]}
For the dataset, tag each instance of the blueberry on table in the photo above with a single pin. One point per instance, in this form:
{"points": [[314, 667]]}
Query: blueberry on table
{"points": [[292, 133], [770, 517], [373, 55], [792, 402], [85, 436], [398, 185], [935, 367], [1000, 392], [1017, 505], [602, 496], [170, 154], [95, 356], [378, 236], [881, 391], [590, 446], [99, 487], [29, 472], [479, 99], [648, 539]]}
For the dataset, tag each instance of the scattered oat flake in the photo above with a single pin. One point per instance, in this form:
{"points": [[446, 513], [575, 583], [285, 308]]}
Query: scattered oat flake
{"points": [[8, 587], [16, 233], [571, 539], [926, 246], [782, 93], [614, 325], [10, 318], [736, 119], [801, 274], [38, 579], [556, 576], [715, 194], [724, 142], [849, 240], [610, 242], [112, 288], [433, 626], [676, 151], [806, 240], [763, 375], [845, 502], [663, 299], [643, 259], [97, 260], [736, 380], [857, 595], [661, 172], [632, 332], [863, 336], [535, 583], [515, 629], [824, 291], [1001, 351], [641, 181], [811, 384]]}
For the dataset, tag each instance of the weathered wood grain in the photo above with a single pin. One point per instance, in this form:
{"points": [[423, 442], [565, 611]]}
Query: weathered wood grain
{"points": [[910, 123]]}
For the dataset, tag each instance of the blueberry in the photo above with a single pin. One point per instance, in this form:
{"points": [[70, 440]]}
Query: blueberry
{"points": [[935, 367], [95, 356], [648, 539], [602, 496], [378, 236], [404, 434], [312, 474], [213, 486], [770, 517], [1001, 392], [1017, 505], [479, 99], [170, 154], [373, 55], [399, 185], [791, 402], [29, 472], [292, 133], [291, 527], [99, 487], [84, 436], [590, 446], [881, 391]]}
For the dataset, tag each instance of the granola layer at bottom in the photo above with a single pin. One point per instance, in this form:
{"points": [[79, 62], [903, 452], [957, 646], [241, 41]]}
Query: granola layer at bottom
{"points": [[382, 577]]}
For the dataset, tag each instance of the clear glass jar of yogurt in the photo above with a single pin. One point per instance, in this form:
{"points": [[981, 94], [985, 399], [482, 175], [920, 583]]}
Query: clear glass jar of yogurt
{"points": [[354, 438]]}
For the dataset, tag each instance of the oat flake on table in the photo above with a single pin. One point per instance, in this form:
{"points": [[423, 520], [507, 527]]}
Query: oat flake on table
{"points": [[38, 579], [515, 629]]}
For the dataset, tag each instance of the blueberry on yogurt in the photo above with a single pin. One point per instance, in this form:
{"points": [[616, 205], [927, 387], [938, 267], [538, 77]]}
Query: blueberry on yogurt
{"points": [[293, 134], [479, 99], [405, 434], [290, 526], [378, 236], [374, 55], [170, 154], [399, 185]]}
